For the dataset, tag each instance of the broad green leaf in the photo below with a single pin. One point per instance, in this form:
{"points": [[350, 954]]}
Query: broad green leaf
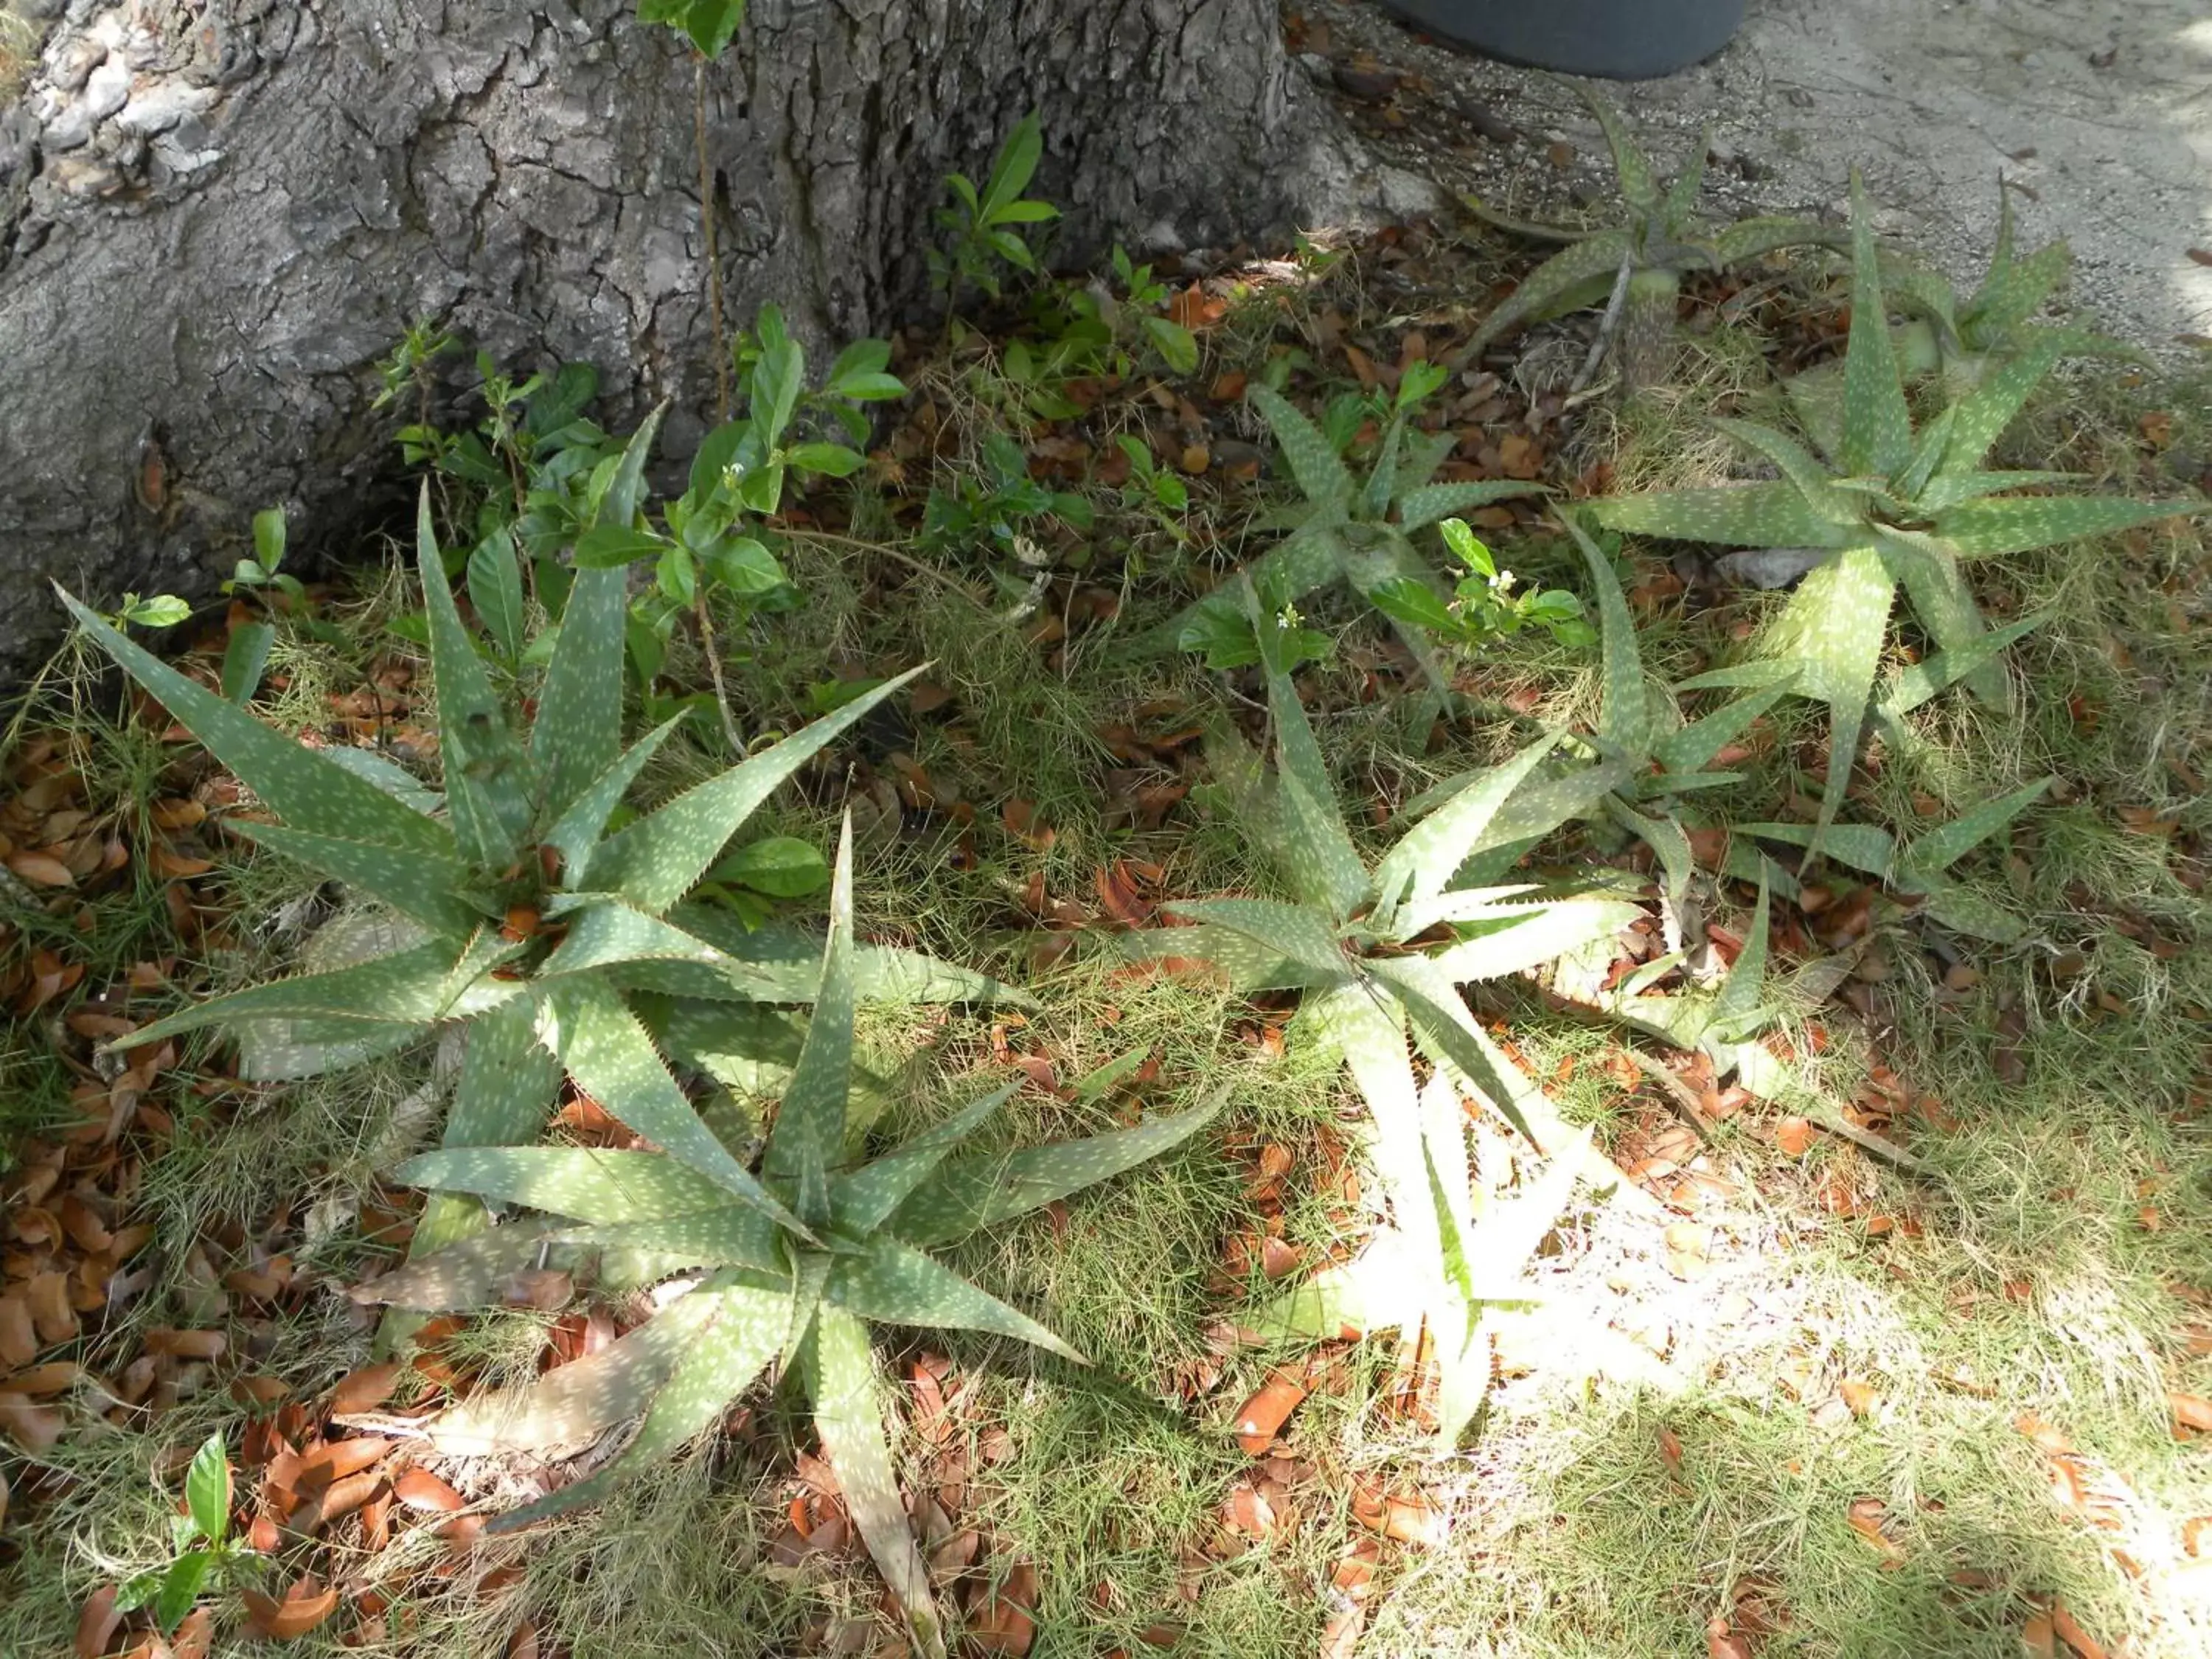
{"points": [[968, 1193], [895, 1283], [848, 1411], [487, 792], [1877, 438], [402, 988], [1313, 461], [613, 1061], [2020, 523], [244, 657], [737, 1343], [207, 1490], [309, 792], [495, 581], [809, 1136], [414, 881], [585, 1184], [180, 1587], [1774, 514], [655, 861], [861, 1201], [781, 867], [1928, 855]]}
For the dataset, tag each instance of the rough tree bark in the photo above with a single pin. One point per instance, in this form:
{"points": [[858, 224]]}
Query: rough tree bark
{"points": [[216, 215]]}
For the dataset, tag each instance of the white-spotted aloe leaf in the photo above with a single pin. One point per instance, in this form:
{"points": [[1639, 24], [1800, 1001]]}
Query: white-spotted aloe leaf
{"points": [[1834, 628], [1241, 960], [1368, 1030], [1926, 857], [309, 792], [1448, 1033], [509, 1084], [573, 1404], [1425, 506], [1314, 462], [738, 1342], [1292, 932], [783, 963], [1543, 933], [969, 1192], [861, 1201], [1877, 437], [613, 1060], [1918, 682], [585, 1184], [576, 831], [466, 1272], [487, 783], [893, 1283], [2021, 524], [734, 1236], [1423, 862], [1320, 863], [809, 1136], [841, 1368], [656, 861], [610, 934], [1773, 513], [402, 988], [1557, 281], [417, 884]]}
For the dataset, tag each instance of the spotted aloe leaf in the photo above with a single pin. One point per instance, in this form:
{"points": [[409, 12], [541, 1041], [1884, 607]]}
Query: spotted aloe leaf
{"points": [[1833, 627], [1427, 856], [576, 831], [2020, 523], [1420, 508], [1928, 855], [404, 987], [741, 1336], [1918, 682], [893, 1283], [613, 1060], [1369, 1028], [842, 1377], [1877, 436], [1449, 1033], [967, 1194], [1770, 514], [861, 1201], [1292, 932], [1314, 462], [1593, 260], [809, 1136], [509, 1084], [610, 934], [309, 792], [422, 884], [586, 1184], [659, 859], [488, 785]]}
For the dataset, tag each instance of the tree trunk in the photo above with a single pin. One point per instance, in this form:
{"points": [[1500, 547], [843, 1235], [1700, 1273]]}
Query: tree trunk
{"points": [[216, 215]]}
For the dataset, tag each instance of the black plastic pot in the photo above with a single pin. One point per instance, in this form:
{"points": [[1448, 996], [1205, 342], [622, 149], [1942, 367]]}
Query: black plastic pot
{"points": [[1627, 39]]}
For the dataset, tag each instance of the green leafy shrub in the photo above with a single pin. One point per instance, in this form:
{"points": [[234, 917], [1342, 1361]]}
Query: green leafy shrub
{"points": [[983, 228], [1483, 606], [207, 1558], [518, 905], [1891, 506], [763, 1296], [1661, 240], [1378, 951]]}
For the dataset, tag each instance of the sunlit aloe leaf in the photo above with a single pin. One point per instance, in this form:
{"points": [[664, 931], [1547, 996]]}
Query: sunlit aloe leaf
{"points": [[895, 1283], [809, 1136]]}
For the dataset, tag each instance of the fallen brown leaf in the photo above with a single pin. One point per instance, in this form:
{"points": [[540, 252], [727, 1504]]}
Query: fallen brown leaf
{"points": [[1264, 1414], [2073, 1635], [365, 1389], [96, 1623], [1689, 1250], [420, 1490], [1722, 1642], [1794, 1136], [1859, 1395], [1867, 1517], [305, 1604], [2192, 1414]]}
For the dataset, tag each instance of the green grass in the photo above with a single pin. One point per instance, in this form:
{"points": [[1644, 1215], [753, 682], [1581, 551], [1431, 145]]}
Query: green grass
{"points": [[1659, 1449]]}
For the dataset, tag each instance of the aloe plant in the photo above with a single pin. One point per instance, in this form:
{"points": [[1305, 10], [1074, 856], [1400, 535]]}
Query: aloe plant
{"points": [[756, 1295], [1379, 950], [1962, 341], [1891, 506], [1352, 530], [1660, 239], [512, 905]]}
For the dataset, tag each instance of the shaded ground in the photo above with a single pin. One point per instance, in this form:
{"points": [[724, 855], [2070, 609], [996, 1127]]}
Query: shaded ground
{"points": [[2101, 109]]}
